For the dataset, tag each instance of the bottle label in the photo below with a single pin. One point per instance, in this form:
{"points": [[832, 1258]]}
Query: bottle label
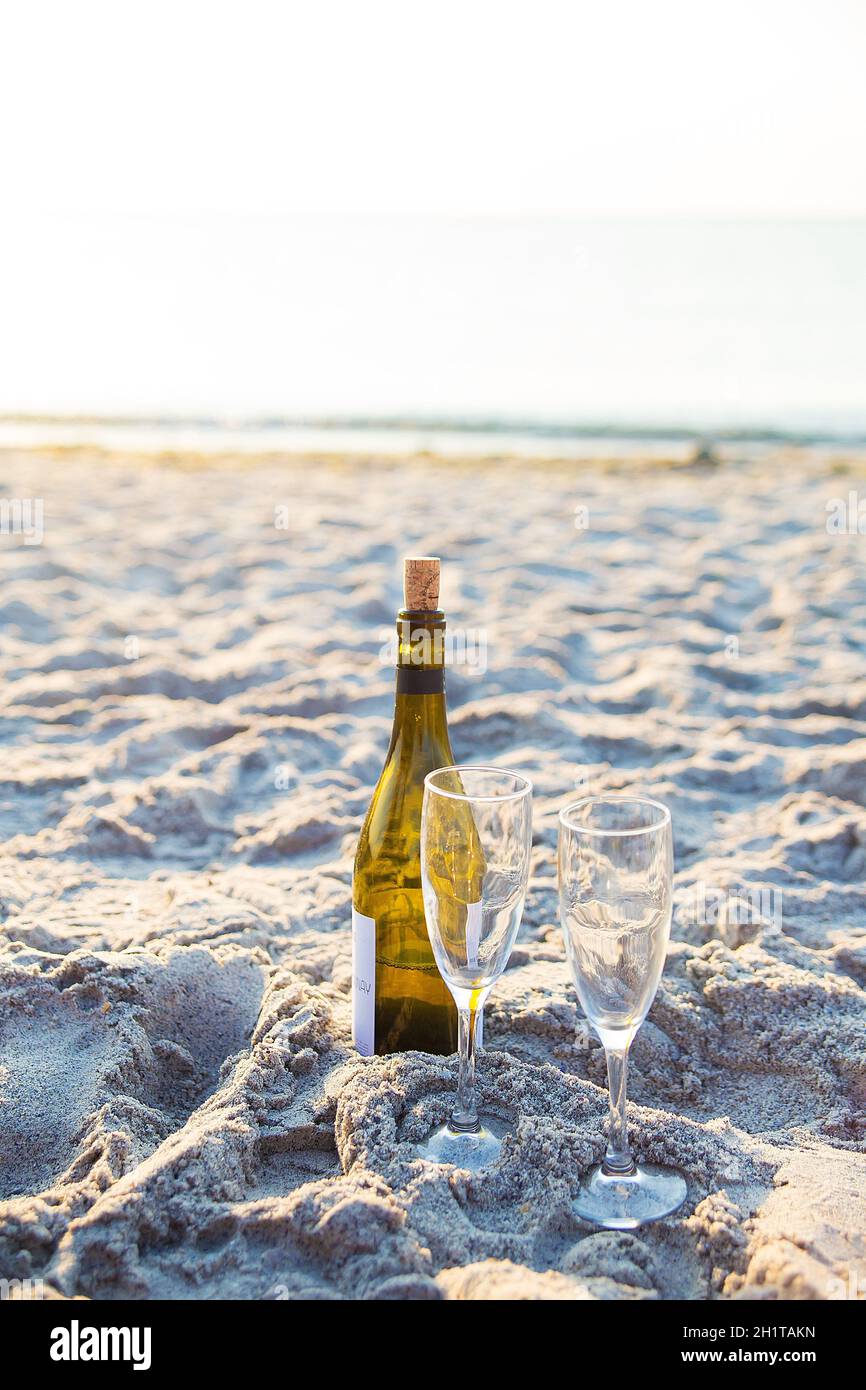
{"points": [[474, 924], [364, 983], [413, 680]]}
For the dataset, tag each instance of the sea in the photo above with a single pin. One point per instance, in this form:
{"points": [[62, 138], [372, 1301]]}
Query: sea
{"points": [[456, 335]]}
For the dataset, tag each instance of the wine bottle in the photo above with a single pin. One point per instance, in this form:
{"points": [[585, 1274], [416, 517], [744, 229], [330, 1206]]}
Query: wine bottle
{"points": [[399, 1000]]}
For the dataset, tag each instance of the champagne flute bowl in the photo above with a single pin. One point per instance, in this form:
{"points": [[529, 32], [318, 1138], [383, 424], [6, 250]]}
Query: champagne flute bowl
{"points": [[476, 838], [615, 901]]}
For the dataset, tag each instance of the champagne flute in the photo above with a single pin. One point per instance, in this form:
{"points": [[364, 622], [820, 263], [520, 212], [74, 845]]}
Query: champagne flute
{"points": [[476, 837], [615, 900]]}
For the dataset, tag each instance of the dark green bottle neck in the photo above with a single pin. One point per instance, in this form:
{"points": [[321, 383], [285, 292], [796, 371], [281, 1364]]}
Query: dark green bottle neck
{"points": [[421, 670], [420, 682], [420, 652]]}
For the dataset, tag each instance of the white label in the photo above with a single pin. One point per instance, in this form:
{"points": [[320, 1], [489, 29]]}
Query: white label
{"points": [[364, 983], [474, 923]]}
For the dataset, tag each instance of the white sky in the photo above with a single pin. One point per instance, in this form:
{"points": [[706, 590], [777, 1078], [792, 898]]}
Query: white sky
{"points": [[741, 108]]}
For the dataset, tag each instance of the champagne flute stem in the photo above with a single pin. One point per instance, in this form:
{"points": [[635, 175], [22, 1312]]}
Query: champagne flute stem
{"points": [[464, 1116], [618, 1160]]}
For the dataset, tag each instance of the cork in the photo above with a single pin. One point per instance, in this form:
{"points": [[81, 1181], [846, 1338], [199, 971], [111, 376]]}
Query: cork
{"points": [[421, 583]]}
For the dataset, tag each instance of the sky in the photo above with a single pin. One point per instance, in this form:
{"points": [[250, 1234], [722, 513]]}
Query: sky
{"points": [[751, 108], [380, 208]]}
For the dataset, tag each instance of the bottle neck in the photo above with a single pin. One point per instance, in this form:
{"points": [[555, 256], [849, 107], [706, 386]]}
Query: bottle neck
{"points": [[420, 682], [420, 720], [420, 653]]}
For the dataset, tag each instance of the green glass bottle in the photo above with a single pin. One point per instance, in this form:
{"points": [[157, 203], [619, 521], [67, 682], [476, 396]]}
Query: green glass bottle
{"points": [[399, 1000]]}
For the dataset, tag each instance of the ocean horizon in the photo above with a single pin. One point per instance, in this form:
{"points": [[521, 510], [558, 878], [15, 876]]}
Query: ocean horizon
{"points": [[470, 438]]}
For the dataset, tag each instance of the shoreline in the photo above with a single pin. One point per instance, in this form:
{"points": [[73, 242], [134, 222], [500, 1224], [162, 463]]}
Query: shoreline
{"points": [[697, 457], [395, 438]]}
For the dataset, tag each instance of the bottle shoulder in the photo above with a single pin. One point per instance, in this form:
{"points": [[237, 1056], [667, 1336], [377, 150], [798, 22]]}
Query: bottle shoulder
{"points": [[394, 813]]}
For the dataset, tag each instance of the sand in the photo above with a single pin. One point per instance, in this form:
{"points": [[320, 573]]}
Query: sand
{"points": [[194, 712]]}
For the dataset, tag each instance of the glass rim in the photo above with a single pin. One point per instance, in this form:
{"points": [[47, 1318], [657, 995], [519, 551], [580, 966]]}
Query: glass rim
{"points": [[617, 800], [525, 790]]}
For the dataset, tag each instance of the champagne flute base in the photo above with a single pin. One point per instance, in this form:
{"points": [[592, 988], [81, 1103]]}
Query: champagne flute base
{"points": [[471, 1150], [622, 1202]]}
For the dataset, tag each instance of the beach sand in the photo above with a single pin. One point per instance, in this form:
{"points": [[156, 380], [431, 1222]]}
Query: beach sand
{"points": [[195, 709]]}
